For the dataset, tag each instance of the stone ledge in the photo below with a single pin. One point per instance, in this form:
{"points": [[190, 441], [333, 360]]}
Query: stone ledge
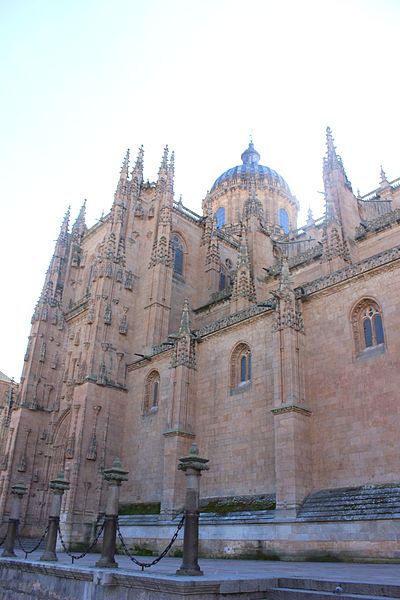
{"points": [[288, 408]]}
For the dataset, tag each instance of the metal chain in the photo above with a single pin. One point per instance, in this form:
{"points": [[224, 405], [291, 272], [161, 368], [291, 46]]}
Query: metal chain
{"points": [[92, 545], [144, 565], [3, 540], [35, 547]]}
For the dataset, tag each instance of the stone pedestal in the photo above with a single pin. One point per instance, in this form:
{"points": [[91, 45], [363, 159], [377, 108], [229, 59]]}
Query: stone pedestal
{"points": [[192, 466], [17, 492], [58, 487], [115, 476]]}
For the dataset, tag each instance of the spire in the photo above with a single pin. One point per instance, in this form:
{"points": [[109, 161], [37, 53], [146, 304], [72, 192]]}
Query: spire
{"points": [[78, 231], [137, 174], [171, 172], [333, 161], [137, 171], [122, 185], [125, 166], [164, 161], [80, 223], [384, 180], [310, 217], [63, 235]]}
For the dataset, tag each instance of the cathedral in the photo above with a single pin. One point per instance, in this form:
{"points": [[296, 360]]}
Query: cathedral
{"points": [[274, 348]]}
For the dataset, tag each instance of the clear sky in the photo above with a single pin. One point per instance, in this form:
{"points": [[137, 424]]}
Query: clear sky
{"points": [[83, 80]]}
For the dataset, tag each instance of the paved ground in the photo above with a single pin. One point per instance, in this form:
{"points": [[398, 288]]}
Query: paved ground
{"points": [[222, 570]]}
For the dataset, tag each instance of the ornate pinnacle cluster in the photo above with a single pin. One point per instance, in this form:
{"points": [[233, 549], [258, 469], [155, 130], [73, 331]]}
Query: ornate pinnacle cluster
{"points": [[162, 252], [243, 286], [333, 243], [208, 221], [288, 309], [253, 206], [212, 256], [184, 349]]}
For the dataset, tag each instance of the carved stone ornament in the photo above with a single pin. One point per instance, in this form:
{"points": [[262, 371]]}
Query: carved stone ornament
{"points": [[115, 474]]}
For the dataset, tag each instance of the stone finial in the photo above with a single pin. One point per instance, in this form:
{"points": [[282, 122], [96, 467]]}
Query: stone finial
{"points": [[193, 460], [137, 171], [164, 160], [125, 165], [59, 484], [116, 473], [384, 180]]}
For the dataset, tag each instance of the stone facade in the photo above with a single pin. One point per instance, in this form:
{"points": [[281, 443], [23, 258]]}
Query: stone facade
{"points": [[274, 348]]}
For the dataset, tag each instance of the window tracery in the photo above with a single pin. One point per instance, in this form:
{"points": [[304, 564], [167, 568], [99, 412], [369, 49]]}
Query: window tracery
{"points": [[178, 248], [367, 325], [240, 366]]}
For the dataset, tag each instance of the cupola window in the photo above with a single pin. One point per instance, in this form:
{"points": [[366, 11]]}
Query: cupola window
{"points": [[220, 217], [284, 220]]}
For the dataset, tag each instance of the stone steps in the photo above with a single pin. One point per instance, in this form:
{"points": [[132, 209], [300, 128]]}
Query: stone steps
{"points": [[308, 589], [376, 502]]}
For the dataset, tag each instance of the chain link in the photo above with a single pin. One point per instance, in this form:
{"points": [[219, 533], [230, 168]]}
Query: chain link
{"points": [[35, 547], [92, 545], [144, 565]]}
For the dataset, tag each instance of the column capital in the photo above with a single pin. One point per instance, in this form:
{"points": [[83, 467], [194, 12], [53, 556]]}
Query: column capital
{"points": [[59, 485], [19, 489]]}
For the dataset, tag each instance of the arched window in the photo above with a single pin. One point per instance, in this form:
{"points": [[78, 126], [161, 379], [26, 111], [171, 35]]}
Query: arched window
{"points": [[367, 326], [224, 279], [284, 220], [240, 366], [151, 393], [220, 217], [178, 255]]}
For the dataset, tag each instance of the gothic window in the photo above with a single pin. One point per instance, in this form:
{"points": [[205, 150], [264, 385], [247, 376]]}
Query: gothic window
{"points": [[151, 393], [178, 255], [284, 220], [224, 279], [220, 217], [240, 366], [367, 326]]}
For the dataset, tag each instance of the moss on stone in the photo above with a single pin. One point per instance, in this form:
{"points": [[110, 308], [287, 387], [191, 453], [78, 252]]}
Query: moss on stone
{"points": [[140, 508], [237, 504]]}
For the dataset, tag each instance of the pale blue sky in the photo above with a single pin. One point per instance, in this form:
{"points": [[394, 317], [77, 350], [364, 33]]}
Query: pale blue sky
{"points": [[81, 81]]}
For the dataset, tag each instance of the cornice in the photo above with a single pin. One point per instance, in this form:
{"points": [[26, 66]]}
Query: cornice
{"points": [[377, 260]]}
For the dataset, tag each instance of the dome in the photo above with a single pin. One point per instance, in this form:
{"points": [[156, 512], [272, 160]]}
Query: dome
{"points": [[249, 168]]}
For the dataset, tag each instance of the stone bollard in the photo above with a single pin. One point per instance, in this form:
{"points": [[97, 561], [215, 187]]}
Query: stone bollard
{"points": [[58, 486], [17, 491], [192, 465], [115, 476]]}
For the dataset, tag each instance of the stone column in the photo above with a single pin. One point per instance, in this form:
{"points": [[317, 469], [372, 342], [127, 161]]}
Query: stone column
{"points": [[58, 486], [192, 466], [115, 476], [18, 490]]}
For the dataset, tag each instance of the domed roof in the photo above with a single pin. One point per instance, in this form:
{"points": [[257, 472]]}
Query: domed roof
{"points": [[250, 167]]}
